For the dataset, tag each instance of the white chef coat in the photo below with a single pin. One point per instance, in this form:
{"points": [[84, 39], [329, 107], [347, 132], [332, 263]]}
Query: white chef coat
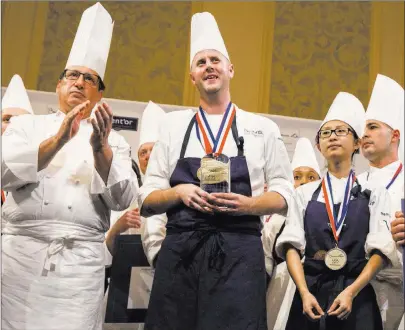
{"points": [[389, 295], [52, 253], [153, 232], [271, 227], [281, 289], [381, 177], [379, 236], [266, 155]]}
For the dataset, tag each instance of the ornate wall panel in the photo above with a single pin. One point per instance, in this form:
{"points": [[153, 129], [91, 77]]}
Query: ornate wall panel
{"points": [[291, 58], [319, 49], [147, 53]]}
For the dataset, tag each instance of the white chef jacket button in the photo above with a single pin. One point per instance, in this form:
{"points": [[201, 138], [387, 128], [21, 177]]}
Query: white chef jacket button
{"points": [[48, 176], [46, 202], [69, 207]]}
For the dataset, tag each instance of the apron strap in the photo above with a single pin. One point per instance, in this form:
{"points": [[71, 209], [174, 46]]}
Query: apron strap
{"points": [[316, 193], [187, 137], [239, 140]]}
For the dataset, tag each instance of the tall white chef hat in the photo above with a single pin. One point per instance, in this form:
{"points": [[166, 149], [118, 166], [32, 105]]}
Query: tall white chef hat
{"points": [[304, 155], [205, 35], [387, 105], [16, 95], [150, 122], [92, 41], [347, 108]]}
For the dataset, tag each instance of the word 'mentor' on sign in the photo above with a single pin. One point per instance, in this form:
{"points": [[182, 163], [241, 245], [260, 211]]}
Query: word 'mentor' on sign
{"points": [[125, 123]]}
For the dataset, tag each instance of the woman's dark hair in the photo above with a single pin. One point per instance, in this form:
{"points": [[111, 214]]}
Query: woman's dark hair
{"points": [[137, 171]]}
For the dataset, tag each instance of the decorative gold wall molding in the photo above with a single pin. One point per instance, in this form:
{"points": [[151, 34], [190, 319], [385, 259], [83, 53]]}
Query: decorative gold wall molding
{"points": [[387, 41], [147, 51], [290, 58], [320, 48], [269, 11], [23, 29]]}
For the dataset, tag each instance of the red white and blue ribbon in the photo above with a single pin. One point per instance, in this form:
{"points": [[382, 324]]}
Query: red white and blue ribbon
{"points": [[337, 220], [211, 143], [395, 176]]}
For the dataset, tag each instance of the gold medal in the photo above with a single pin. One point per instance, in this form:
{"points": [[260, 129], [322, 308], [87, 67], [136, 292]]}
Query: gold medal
{"points": [[335, 258]]}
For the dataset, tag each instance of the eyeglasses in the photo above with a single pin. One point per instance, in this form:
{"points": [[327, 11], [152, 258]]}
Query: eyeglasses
{"points": [[90, 79], [342, 131]]}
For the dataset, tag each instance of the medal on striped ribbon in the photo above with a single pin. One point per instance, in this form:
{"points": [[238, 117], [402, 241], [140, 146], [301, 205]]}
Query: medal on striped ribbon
{"points": [[336, 258], [214, 144], [337, 220]]}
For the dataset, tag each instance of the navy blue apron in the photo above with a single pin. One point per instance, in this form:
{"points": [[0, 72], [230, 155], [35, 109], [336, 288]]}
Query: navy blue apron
{"points": [[326, 284], [210, 273]]}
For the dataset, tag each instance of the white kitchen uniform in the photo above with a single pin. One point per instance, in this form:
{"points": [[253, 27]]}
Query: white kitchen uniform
{"points": [[52, 258], [387, 106], [281, 289], [265, 152], [376, 236], [153, 232], [388, 283], [15, 97], [153, 229], [379, 237]]}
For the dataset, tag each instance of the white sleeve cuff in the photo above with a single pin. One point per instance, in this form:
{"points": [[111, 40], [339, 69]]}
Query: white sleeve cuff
{"points": [[144, 192], [269, 263], [117, 174], [21, 165], [284, 192], [152, 253], [293, 235], [383, 242], [107, 256], [153, 232]]}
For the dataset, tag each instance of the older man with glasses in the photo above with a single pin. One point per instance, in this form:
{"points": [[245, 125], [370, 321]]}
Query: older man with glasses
{"points": [[64, 172]]}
